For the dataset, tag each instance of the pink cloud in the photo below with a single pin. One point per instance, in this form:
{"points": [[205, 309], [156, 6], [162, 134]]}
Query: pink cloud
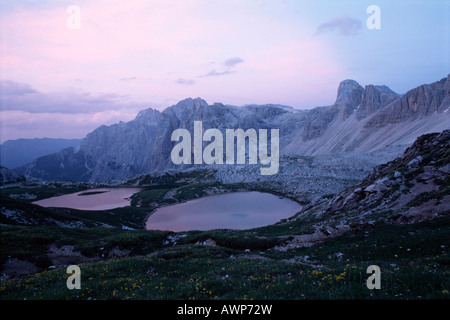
{"points": [[21, 124], [157, 43]]}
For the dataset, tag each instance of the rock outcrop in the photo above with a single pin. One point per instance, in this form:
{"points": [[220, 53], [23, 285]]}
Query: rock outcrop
{"points": [[417, 103], [411, 188], [8, 176]]}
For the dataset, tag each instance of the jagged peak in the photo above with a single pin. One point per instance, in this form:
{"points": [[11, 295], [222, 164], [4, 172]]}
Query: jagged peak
{"points": [[146, 113], [192, 102], [383, 89], [346, 88], [375, 97]]}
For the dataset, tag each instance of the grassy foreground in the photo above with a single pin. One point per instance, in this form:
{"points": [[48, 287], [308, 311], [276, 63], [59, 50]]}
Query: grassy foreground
{"points": [[413, 259]]}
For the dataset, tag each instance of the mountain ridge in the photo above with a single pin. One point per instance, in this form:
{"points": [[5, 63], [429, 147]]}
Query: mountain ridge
{"points": [[363, 119], [19, 152]]}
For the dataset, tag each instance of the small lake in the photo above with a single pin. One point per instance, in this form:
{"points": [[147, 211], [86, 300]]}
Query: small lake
{"points": [[236, 210], [92, 199]]}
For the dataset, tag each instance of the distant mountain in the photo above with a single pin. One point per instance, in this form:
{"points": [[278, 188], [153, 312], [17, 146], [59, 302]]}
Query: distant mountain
{"points": [[9, 176], [16, 153], [362, 120]]}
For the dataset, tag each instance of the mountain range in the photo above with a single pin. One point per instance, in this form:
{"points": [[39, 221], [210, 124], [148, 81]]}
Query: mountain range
{"points": [[16, 153], [362, 120]]}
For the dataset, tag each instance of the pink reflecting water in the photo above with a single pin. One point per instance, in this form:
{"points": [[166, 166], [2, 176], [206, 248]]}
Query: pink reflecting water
{"points": [[237, 210], [109, 198]]}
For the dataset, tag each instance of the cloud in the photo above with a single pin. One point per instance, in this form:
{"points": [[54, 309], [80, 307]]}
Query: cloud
{"points": [[22, 97], [22, 124], [214, 73], [128, 79], [232, 62], [343, 24], [227, 64], [11, 88], [184, 81], [28, 113]]}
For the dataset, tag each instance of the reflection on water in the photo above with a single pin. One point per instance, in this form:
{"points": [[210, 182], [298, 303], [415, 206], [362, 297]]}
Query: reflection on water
{"points": [[93, 199], [237, 210]]}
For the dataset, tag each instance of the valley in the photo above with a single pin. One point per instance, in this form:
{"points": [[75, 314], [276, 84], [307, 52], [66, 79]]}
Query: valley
{"points": [[212, 158], [322, 252], [369, 173]]}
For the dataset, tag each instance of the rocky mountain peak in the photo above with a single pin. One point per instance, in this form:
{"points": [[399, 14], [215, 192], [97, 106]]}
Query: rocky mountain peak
{"points": [[347, 89], [374, 98], [352, 97], [348, 96], [190, 102], [417, 103], [147, 113], [186, 108]]}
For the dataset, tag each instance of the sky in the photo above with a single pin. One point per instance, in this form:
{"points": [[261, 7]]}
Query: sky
{"points": [[68, 67]]}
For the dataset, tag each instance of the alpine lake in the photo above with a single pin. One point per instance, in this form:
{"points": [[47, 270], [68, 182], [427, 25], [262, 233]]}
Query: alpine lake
{"points": [[233, 210]]}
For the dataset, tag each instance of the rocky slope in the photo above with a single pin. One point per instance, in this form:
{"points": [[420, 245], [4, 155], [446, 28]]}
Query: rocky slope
{"points": [[8, 176], [411, 188], [362, 120]]}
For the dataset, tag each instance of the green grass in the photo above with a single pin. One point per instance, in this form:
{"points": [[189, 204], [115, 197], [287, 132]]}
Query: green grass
{"points": [[21, 241], [147, 197], [204, 273], [39, 192], [30, 214], [414, 262], [191, 191]]}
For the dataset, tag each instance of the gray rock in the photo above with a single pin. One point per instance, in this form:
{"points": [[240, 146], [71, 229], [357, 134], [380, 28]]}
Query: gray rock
{"points": [[354, 125], [8, 176], [417, 103], [373, 99]]}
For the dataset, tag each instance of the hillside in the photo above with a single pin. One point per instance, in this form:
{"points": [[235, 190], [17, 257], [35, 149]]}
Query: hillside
{"points": [[8, 176], [414, 187]]}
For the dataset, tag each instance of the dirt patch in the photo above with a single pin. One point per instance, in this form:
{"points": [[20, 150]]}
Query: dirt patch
{"points": [[307, 240], [428, 210], [207, 242], [14, 267], [118, 253], [66, 255], [252, 257]]}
